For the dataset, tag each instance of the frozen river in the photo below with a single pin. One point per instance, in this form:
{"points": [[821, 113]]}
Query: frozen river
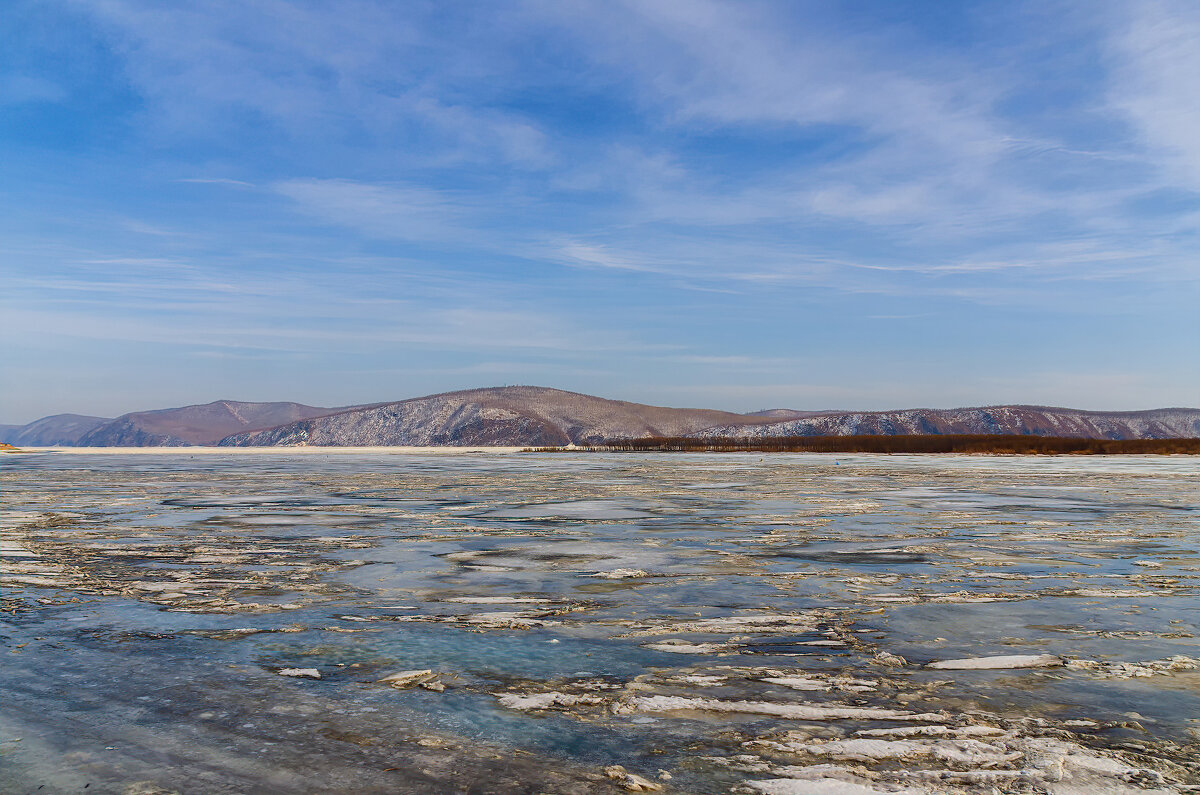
{"points": [[787, 624]]}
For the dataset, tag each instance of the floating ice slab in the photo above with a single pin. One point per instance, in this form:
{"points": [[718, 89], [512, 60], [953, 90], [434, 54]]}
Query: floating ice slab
{"points": [[11, 549], [682, 647], [403, 679], [497, 600], [792, 711], [797, 682], [622, 574], [1001, 661], [728, 625], [1133, 670], [631, 782], [311, 673], [528, 701], [823, 786]]}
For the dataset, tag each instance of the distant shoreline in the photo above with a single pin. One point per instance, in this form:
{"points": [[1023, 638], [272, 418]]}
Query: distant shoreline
{"points": [[293, 449], [535, 417], [944, 444], [902, 444]]}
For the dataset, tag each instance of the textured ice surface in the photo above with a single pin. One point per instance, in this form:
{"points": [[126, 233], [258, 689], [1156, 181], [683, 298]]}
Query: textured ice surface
{"points": [[998, 661], [790, 624]]}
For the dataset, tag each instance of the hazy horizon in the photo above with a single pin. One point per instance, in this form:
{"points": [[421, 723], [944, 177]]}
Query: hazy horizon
{"points": [[704, 204]]}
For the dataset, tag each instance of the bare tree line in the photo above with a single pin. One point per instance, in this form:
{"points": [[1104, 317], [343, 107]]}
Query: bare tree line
{"points": [[999, 444]]}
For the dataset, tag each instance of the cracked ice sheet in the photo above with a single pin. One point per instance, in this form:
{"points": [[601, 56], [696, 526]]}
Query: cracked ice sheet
{"points": [[926, 558]]}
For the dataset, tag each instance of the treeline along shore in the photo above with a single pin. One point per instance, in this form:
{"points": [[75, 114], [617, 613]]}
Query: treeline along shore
{"points": [[993, 444]]}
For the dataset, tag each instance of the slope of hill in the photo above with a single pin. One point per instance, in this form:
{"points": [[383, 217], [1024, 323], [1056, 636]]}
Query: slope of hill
{"points": [[542, 417], [1023, 420], [780, 414], [57, 429], [538, 416], [204, 424], [521, 415]]}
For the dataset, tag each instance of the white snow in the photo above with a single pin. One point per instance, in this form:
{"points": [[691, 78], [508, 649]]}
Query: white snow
{"points": [[311, 673]]}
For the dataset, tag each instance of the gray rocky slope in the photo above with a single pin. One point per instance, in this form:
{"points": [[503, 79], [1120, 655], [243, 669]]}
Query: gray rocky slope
{"points": [[538, 416], [1023, 420], [57, 429], [203, 424], [523, 415]]}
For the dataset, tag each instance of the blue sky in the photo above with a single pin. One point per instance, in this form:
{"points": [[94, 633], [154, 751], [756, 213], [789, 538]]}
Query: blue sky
{"points": [[738, 205]]}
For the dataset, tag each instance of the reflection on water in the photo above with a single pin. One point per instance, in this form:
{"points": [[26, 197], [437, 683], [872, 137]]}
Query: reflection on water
{"points": [[711, 623]]}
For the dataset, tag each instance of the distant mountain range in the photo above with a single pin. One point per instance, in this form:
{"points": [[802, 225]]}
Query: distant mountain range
{"points": [[57, 429], [514, 415], [1008, 420], [539, 416], [188, 425]]}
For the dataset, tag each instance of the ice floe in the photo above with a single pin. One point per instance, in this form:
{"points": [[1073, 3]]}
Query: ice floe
{"points": [[404, 679], [999, 661], [622, 574], [728, 625], [1178, 663], [311, 673], [815, 712], [631, 782], [684, 647], [535, 701]]}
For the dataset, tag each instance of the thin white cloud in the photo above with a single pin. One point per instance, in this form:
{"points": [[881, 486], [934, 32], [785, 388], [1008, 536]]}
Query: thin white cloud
{"points": [[388, 211], [1156, 49], [315, 73], [571, 164], [586, 255]]}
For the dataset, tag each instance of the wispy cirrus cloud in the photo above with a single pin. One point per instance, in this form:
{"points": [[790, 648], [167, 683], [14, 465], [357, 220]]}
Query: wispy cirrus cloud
{"points": [[387, 211], [365, 75], [1154, 48], [658, 190]]}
